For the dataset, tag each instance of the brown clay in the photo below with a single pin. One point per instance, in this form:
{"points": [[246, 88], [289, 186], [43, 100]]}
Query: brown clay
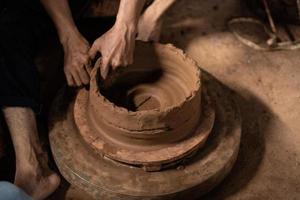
{"points": [[122, 141], [155, 121], [104, 179]]}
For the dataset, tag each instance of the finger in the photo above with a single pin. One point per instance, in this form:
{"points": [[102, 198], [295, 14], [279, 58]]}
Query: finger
{"points": [[104, 69], [104, 72], [85, 60], [98, 63], [115, 63], [84, 76], [94, 49], [76, 78], [88, 68], [131, 55], [88, 64], [70, 80], [128, 60]]}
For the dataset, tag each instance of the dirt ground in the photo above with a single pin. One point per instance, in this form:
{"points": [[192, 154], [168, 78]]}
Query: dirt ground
{"points": [[267, 86]]}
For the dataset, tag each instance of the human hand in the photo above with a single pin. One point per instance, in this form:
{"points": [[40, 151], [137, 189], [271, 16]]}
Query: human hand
{"points": [[116, 47], [77, 65]]}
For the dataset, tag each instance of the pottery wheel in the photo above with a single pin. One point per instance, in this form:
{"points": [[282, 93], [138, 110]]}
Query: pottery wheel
{"points": [[107, 179]]}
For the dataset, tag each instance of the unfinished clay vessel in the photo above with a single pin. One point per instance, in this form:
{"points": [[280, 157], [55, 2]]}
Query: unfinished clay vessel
{"points": [[150, 115], [156, 130]]}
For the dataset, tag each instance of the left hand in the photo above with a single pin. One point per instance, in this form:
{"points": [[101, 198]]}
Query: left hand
{"points": [[116, 47], [76, 60]]}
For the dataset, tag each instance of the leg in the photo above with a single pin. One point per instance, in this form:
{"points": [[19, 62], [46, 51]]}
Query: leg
{"points": [[32, 172], [149, 27], [20, 33]]}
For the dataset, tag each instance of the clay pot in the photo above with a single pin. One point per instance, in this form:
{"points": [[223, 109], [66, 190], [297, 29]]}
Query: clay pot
{"points": [[152, 107], [164, 108], [102, 139]]}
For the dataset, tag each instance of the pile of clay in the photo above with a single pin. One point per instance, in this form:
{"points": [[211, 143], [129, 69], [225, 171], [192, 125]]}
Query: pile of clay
{"points": [[152, 107]]}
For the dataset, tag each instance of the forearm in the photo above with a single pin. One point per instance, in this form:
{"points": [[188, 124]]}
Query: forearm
{"points": [[129, 12], [159, 7], [76, 48], [61, 15]]}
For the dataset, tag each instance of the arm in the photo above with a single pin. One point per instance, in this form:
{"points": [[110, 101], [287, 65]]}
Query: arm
{"points": [[117, 45], [159, 7], [76, 59], [149, 26]]}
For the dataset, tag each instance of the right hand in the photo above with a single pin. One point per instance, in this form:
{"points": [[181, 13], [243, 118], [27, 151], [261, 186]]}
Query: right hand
{"points": [[77, 64], [116, 47]]}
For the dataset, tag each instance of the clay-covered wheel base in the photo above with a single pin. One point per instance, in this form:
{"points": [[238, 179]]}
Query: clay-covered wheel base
{"points": [[105, 179]]}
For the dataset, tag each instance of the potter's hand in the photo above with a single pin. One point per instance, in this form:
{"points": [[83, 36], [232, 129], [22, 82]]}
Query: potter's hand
{"points": [[76, 61], [116, 47]]}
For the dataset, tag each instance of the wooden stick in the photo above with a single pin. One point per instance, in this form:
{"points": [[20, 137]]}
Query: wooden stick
{"points": [[270, 18]]}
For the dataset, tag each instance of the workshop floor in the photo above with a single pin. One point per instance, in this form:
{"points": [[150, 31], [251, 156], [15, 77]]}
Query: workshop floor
{"points": [[268, 88], [267, 85]]}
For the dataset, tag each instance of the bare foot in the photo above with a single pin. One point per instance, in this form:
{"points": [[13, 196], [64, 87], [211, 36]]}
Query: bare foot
{"points": [[37, 186], [46, 186], [32, 172]]}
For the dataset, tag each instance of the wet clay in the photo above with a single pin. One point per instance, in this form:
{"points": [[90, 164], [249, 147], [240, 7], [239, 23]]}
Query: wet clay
{"points": [[150, 114], [103, 178], [155, 131]]}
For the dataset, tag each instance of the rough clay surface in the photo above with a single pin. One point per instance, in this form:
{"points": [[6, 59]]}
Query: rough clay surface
{"points": [[72, 140], [147, 137], [104, 179]]}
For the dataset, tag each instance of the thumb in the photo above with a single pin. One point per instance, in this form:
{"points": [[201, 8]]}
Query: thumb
{"points": [[104, 69], [94, 49]]}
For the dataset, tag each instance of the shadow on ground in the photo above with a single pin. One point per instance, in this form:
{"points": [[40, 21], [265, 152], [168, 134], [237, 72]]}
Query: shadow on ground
{"points": [[188, 20], [256, 118]]}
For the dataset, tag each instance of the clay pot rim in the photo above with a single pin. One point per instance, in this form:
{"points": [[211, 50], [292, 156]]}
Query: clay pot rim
{"points": [[178, 52]]}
